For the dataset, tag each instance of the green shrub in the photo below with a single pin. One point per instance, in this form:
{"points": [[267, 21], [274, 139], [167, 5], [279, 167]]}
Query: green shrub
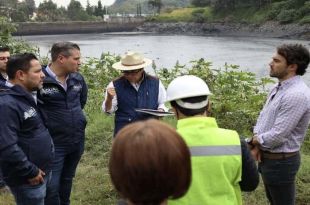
{"points": [[198, 15], [288, 16], [183, 15], [6, 39], [237, 96], [277, 7], [305, 10], [305, 20]]}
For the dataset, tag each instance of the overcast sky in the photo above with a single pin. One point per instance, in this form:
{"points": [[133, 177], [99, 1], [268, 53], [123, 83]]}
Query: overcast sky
{"points": [[83, 2]]}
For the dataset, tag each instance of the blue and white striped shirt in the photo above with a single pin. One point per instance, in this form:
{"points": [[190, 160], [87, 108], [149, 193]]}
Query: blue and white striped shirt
{"points": [[283, 122]]}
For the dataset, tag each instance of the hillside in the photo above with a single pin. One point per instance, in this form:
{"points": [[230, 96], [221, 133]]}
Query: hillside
{"points": [[240, 11], [130, 6]]}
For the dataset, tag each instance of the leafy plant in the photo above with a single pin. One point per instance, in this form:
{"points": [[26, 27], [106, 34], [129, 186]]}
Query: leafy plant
{"points": [[199, 15], [237, 95], [287, 16]]}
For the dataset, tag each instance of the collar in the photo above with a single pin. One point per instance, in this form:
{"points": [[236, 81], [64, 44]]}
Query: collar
{"points": [[197, 122], [138, 83], [52, 74], [8, 84], [2, 78], [290, 81], [18, 90]]}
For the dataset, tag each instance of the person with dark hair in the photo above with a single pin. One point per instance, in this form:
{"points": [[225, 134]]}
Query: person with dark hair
{"points": [[149, 163], [134, 89], [4, 57], [64, 96], [282, 124], [26, 147], [222, 165]]}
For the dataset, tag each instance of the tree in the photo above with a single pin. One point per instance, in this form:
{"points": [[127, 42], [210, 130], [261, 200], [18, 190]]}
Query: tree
{"points": [[24, 11], [8, 7], [48, 11], [31, 7], [139, 12], [155, 4], [89, 9], [16, 46], [76, 12], [105, 10], [99, 9], [9, 3]]}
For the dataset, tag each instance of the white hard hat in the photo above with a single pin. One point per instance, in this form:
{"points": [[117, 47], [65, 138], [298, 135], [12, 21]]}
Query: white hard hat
{"points": [[185, 87]]}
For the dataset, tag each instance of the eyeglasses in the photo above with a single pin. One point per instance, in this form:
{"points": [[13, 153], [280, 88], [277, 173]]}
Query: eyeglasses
{"points": [[131, 71], [3, 58]]}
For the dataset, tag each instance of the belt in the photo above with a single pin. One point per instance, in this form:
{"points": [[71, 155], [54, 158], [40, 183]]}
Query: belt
{"points": [[282, 155]]}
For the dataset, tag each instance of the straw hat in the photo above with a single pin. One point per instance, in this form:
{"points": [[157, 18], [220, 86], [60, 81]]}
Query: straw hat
{"points": [[132, 61]]}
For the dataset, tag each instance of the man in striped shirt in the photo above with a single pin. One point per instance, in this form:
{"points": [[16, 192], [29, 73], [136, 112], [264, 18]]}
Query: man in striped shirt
{"points": [[282, 124]]}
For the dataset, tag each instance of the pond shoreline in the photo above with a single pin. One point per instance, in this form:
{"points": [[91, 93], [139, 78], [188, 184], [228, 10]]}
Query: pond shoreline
{"points": [[266, 30]]}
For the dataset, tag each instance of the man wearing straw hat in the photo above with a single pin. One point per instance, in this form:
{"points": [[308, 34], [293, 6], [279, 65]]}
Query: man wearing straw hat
{"points": [[134, 89]]}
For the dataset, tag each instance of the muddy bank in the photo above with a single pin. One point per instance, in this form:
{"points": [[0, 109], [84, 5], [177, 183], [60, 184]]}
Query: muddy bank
{"points": [[269, 29]]}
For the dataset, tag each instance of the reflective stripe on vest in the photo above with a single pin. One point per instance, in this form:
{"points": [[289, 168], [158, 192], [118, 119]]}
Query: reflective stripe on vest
{"points": [[215, 150]]}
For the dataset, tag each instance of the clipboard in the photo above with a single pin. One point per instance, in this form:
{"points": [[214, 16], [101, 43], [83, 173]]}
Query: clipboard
{"points": [[157, 113]]}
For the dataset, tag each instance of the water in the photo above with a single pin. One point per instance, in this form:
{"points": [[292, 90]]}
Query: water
{"points": [[252, 54]]}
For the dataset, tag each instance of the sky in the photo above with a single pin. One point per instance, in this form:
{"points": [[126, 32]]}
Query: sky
{"points": [[83, 2]]}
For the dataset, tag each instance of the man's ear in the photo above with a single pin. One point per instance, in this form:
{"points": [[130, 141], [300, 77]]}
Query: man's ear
{"points": [[20, 75], [293, 67], [60, 58]]}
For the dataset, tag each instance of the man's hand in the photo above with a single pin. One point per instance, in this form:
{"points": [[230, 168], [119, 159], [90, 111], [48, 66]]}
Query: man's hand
{"points": [[111, 93], [255, 141], [38, 179], [256, 153]]}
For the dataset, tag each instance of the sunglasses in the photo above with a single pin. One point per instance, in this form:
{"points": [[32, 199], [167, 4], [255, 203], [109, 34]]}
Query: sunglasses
{"points": [[131, 71], [3, 58]]}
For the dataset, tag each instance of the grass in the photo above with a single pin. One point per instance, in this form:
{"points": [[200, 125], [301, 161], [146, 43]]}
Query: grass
{"points": [[249, 15], [92, 185], [180, 15]]}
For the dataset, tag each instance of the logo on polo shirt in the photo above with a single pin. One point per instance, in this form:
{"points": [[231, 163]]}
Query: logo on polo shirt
{"points": [[77, 87], [30, 113], [50, 91]]}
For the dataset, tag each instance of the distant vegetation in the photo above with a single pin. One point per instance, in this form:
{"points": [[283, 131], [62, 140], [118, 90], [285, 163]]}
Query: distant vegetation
{"points": [[246, 11], [147, 6], [22, 11], [48, 11]]}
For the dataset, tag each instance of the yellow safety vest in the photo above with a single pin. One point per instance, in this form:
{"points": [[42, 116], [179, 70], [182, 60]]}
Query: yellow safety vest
{"points": [[216, 163]]}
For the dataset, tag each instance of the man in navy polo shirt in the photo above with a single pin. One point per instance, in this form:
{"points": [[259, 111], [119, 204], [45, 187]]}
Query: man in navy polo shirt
{"points": [[26, 147], [64, 95]]}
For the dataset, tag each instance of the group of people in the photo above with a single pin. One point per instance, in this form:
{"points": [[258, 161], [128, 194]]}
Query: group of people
{"points": [[42, 132], [42, 124], [222, 164]]}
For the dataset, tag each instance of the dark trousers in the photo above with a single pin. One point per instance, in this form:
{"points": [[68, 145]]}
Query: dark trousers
{"points": [[2, 183], [279, 179], [64, 166]]}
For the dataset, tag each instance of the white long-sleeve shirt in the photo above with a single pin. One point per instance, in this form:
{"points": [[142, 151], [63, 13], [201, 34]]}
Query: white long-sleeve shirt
{"points": [[161, 97]]}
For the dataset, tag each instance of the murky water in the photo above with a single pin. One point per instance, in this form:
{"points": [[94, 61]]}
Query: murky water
{"points": [[252, 54]]}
